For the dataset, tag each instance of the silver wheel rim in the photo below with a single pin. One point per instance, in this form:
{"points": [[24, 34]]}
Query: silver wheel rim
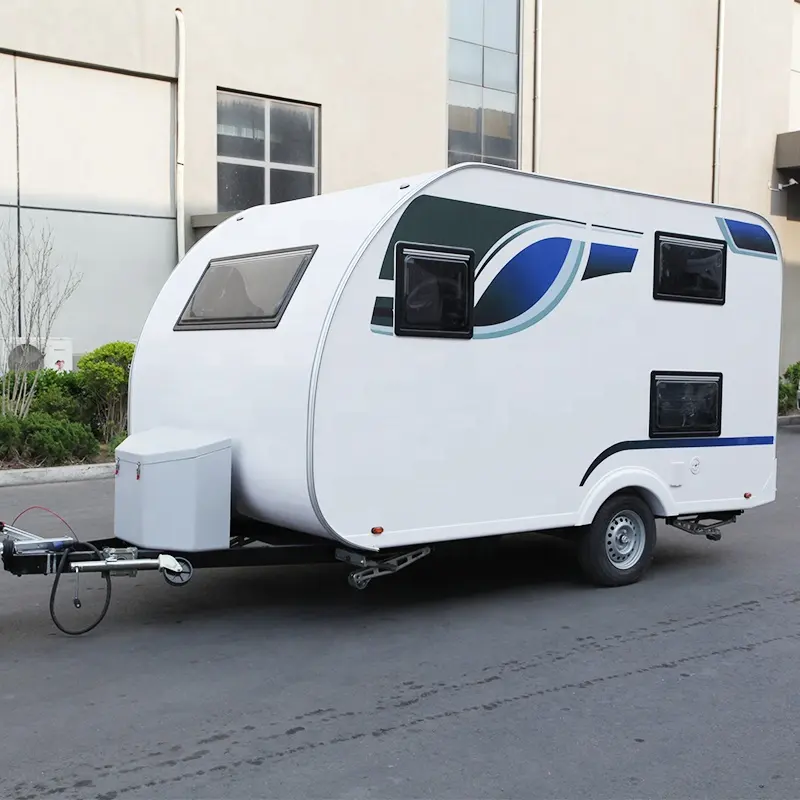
{"points": [[625, 539]]}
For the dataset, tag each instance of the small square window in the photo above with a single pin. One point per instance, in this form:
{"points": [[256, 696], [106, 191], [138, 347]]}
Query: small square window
{"points": [[434, 291], [685, 404], [689, 269]]}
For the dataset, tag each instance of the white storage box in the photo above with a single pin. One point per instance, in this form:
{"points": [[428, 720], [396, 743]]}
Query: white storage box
{"points": [[173, 490]]}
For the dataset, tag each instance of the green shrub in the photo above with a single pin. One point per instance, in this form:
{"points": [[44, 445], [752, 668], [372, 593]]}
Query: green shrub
{"points": [[787, 397], [10, 438], [792, 374], [48, 440], [117, 441], [787, 388], [104, 374]]}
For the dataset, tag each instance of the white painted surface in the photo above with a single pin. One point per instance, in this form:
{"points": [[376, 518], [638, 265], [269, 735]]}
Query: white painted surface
{"points": [[188, 378], [438, 439], [173, 491]]}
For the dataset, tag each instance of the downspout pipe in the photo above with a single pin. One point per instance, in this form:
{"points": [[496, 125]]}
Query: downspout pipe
{"points": [[715, 169], [537, 85], [180, 214]]}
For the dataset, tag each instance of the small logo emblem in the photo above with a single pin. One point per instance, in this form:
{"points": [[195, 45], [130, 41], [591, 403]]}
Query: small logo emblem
{"points": [[694, 465]]}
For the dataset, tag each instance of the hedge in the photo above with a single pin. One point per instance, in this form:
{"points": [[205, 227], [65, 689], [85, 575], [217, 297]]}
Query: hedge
{"points": [[73, 415], [787, 389]]}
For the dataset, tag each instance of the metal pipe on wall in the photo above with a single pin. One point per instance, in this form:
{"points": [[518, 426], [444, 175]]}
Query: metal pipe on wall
{"points": [[180, 221], [718, 100], [537, 85]]}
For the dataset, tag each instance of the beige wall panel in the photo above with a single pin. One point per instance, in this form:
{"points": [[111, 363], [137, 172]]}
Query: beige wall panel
{"points": [[94, 140], [8, 147], [628, 93]]}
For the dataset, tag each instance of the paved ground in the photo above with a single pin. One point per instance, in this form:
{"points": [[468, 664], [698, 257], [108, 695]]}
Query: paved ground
{"points": [[504, 677]]}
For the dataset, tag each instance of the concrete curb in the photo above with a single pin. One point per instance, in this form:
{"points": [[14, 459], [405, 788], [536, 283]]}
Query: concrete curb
{"points": [[791, 419], [76, 472]]}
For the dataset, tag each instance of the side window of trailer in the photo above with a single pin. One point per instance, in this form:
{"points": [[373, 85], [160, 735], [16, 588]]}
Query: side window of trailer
{"points": [[689, 269], [685, 404], [433, 291], [249, 291]]}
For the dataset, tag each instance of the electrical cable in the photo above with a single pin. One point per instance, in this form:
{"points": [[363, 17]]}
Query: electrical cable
{"points": [[59, 570], [70, 550]]}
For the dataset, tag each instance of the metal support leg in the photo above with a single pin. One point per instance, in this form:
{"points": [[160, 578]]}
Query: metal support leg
{"points": [[376, 568]]}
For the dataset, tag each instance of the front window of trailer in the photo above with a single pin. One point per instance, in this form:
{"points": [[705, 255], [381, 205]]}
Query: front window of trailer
{"points": [[249, 291]]}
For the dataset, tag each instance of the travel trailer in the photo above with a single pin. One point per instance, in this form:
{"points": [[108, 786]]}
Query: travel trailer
{"points": [[475, 352]]}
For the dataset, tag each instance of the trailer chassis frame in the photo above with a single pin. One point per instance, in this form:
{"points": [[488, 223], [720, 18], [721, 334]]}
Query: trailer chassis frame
{"points": [[251, 545]]}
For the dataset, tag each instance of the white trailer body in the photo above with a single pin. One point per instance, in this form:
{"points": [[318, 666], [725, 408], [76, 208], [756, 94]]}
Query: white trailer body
{"points": [[468, 353]]}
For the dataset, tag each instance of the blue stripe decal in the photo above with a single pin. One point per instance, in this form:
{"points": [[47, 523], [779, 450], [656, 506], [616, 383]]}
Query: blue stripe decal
{"points": [[609, 259], [747, 238], [665, 444]]}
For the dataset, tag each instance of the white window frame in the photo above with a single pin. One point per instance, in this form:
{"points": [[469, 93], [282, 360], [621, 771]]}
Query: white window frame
{"points": [[266, 164]]}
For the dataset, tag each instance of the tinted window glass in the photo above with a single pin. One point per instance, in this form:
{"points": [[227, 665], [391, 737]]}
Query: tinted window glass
{"points": [[689, 270], [247, 291], [686, 405], [434, 293]]}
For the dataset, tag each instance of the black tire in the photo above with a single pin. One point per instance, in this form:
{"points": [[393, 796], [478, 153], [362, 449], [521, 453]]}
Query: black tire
{"points": [[602, 549]]}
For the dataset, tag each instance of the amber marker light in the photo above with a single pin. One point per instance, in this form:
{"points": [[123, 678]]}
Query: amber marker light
{"points": [[747, 495], [377, 531]]}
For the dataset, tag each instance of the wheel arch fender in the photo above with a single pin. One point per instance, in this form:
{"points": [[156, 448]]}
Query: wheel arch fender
{"points": [[642, 482]]}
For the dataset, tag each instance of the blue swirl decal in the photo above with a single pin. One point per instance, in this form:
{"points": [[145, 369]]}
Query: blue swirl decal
{"points": [[528, 288], [522, 282], [609, 259], [747, 238]]}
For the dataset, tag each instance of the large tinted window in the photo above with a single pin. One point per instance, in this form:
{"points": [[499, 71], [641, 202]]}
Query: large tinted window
{"points": [[685, 404], [249, 291], [434, 291], [689, 269]]}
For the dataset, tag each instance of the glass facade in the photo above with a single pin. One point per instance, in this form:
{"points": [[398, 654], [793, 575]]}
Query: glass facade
{"points": [[483, 71]]}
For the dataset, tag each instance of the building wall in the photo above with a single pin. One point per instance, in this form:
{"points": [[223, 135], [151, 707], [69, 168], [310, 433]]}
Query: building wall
{"points": [[627, 99], [98, 142]]}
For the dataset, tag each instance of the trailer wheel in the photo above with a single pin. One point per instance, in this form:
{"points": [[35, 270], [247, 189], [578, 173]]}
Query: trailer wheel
{"points": [[617, 548]]}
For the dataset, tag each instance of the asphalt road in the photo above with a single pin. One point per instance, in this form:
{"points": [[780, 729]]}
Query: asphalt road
{"points": [[490, 676]]}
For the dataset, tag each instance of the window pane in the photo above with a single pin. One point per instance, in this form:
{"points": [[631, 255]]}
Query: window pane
{"points": [[499, 70], [687, 405], [240, 127], [285, 184], [686, 269], [500, 25], [239, 187], [465, 62], [435, 294], [466, 20], [291, 134], [500, 125], [464, 118], [246, 289]]}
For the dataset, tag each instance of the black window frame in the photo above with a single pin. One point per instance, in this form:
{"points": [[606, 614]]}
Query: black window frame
{"points": [[709, 377], [247, 323], [689, 241], [460, 254]]}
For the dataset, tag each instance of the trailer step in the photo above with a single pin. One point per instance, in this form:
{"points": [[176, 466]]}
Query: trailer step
{"points": [[377, 568], [707, 525]]}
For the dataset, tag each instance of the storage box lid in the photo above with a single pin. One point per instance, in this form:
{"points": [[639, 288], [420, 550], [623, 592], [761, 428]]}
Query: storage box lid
{"points": [[169, 444]]}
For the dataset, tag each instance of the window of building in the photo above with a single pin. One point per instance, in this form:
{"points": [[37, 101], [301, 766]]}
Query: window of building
{"points": [[483, 86], [250, 291], [689, 269], [433, 291], [685, 404], [266, 151]]}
